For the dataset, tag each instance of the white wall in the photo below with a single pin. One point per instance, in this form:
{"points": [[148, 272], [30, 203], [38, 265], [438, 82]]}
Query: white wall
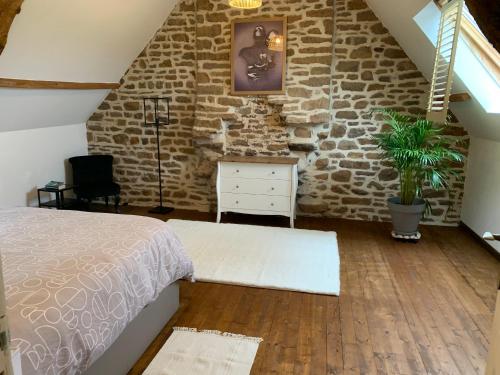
{"points": [[481, 204], [31, 158]]}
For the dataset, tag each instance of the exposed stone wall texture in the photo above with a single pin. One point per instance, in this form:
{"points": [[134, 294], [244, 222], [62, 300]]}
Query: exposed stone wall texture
{"points": [[334, 80], [166, 67]]}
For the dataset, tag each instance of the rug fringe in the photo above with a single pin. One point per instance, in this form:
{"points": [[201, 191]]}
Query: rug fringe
{"points": [[185, 329], [243, 337], [219, 333]]}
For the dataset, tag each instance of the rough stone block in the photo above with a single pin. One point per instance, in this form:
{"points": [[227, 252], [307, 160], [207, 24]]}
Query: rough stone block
{"points": [[312, 206], [342, 176], [354, 164]]}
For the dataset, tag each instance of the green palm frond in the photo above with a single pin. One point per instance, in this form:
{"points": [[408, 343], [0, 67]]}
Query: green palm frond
{"points": [[418, 150]]}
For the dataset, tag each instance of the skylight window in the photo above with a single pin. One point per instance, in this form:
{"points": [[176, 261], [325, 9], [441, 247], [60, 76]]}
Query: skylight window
{"points": [[481, 47], [477, 41], [477, 63]]}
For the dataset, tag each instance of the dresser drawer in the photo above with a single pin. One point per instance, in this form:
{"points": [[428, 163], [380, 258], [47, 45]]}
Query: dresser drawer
{"points": [[255, 202], [255, 186], [264, 171]]}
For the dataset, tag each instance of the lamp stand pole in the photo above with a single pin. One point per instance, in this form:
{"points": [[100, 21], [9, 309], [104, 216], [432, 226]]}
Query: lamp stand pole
{"points": [[159, 209]]}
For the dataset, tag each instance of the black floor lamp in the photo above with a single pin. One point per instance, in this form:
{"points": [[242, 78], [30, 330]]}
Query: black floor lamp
{"points": [[155, 114]]}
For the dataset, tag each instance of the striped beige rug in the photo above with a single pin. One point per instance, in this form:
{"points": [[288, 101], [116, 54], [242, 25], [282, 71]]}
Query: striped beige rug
{"points": [[192, 352]]}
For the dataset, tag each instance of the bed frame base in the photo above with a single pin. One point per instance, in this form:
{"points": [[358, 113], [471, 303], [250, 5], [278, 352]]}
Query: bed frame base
{"points": [[138, 335]]}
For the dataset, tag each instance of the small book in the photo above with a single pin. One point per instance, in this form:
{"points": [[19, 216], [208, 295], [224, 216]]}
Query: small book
{"points": [[55, 185]]}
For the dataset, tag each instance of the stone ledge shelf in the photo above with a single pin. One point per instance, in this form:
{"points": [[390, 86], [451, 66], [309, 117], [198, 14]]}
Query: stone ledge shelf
{"points": [[303, 144], [313, 119]]}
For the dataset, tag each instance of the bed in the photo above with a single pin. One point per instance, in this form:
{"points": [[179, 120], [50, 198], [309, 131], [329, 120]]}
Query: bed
{"points": [[81, 286]]}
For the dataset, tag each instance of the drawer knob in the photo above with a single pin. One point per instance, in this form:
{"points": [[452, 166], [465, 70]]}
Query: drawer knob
{"points": [[274, 172], [272, 188], [237, 171], [237, 187], [237, 202], [272, 204]]}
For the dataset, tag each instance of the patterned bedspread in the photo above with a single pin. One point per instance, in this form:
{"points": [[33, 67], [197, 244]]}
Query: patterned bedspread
{"points": [[74, 280]]}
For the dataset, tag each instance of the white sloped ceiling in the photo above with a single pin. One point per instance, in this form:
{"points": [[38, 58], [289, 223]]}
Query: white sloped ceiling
{"points": [[77, 40]]}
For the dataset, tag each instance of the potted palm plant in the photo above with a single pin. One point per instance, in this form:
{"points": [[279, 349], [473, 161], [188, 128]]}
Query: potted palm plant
{"points": [[423, 157]]}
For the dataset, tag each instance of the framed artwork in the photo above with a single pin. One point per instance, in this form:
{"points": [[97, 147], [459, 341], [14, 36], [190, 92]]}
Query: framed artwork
{"points": [[257, 69]]}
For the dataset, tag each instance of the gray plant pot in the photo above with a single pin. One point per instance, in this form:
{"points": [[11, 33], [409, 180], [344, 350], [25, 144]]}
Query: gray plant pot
{"points": [[405, 218]]}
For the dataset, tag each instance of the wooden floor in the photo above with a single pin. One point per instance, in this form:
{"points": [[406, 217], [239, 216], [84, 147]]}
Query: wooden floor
{"points": [[404, 308]]}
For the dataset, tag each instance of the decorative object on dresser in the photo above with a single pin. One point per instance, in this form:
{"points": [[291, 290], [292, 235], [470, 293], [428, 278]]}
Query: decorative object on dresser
{"points": [[93, 178], [154, 113], [257, 185]]}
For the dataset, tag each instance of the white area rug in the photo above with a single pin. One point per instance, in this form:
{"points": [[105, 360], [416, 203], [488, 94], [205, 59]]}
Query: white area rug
{"points": [[189, 352], [278, 258]]}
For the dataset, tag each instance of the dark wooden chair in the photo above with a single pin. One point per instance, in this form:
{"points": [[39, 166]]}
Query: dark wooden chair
{"points": [[93, 178]]}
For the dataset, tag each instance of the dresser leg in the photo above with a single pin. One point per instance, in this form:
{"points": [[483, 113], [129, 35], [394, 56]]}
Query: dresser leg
{"points": [[291, 222], [218, 216]]}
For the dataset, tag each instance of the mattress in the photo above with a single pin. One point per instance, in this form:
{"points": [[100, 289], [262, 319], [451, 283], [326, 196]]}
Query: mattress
{"points": [[74, 280]]}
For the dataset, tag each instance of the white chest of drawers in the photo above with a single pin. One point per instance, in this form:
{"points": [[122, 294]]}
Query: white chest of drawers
{"points": [[257, 185]]}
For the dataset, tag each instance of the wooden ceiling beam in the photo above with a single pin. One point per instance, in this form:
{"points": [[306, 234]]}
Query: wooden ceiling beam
{"points": [[460, 97], [58, 85]]}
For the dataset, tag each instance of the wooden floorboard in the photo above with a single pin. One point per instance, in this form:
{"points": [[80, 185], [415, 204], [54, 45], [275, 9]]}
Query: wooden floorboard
{"points": [[404, 308]]}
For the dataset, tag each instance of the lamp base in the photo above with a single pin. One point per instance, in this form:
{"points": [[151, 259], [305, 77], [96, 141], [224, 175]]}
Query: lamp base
{"points": [[161, 210]]}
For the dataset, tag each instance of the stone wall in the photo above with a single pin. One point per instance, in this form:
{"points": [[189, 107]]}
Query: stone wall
{"points": [[166, 67], [324, 118]]}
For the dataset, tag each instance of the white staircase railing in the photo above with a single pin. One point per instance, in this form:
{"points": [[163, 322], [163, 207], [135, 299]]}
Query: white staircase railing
{"points": [[442, 76]]}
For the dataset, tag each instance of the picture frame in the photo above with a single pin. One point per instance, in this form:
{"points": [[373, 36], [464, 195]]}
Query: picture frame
{"points": [[255, 69]]}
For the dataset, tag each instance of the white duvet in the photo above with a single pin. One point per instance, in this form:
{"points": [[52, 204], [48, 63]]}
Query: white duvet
{"points": [[74, 280]]}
